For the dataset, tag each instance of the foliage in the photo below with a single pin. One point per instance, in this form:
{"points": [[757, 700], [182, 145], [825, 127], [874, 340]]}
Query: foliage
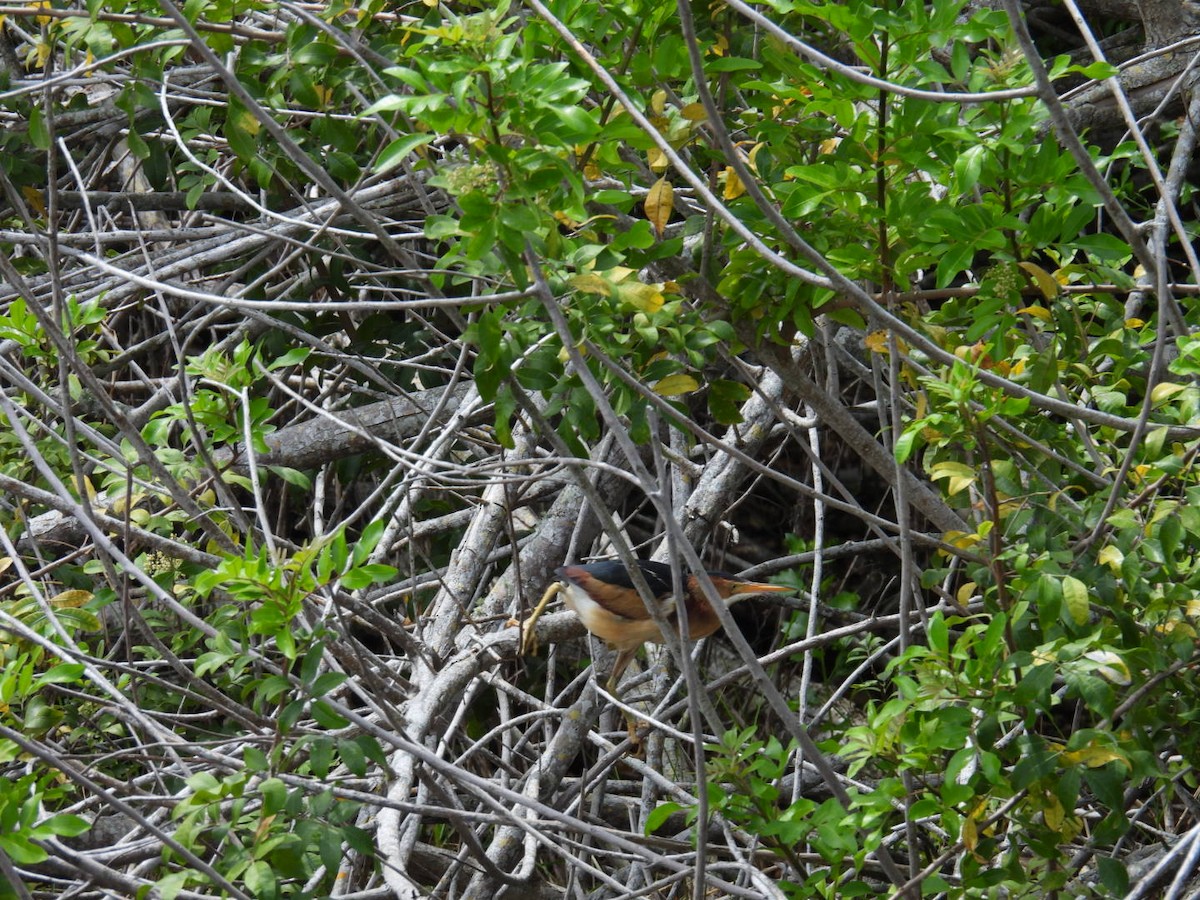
{"points": [[463, 255]]}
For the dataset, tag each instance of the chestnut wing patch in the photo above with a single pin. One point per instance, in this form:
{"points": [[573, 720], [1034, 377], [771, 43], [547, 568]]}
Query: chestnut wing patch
{"points": [[610, 586]]}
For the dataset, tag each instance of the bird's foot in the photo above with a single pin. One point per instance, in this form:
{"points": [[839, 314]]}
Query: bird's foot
{"points": [[529, 642], [638, 732]]}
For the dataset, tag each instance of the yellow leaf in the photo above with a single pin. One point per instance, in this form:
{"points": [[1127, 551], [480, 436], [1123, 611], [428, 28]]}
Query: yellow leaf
{"points": [[646, 297], [965, 593], [35, 199], [877, 341], [1133, 324], [1053, 814], [656, 160], [754, 155], [694, 112], [675, 385], [1044, 280], [733, 185], [828, 145], [658, 102], [660, 203], [1075, 596], [970, 833], [1039, 312]]}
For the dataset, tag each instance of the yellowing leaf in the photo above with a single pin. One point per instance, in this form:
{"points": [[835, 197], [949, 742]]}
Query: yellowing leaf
{"points": [[247, 122], [959, 475], [1109, 666], [1044, 280], [1112, 557], [828, 145], [590, 284], [1075, 596], [1093, 756], [675, 385], [963, 540], [34, 198], [1134, 323], [1164, 391], [1039, 312], [733, 185], [660, 203], [658, 102], [72, 599], [965, 593], [1173, 625], [694, 112], [656, 160]]}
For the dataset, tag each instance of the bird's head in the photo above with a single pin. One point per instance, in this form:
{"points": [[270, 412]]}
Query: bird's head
{"points": [[731, 586]]}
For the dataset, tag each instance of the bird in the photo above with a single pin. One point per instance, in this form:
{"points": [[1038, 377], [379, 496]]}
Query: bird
{"points": [[603, 595]]}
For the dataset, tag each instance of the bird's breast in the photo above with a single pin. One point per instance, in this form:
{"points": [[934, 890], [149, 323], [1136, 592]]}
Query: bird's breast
{"points": [[622, 632]]}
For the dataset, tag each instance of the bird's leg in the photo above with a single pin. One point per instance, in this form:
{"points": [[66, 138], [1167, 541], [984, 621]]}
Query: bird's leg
{"points": [[624, 658], [528, 635], [632, 724]]}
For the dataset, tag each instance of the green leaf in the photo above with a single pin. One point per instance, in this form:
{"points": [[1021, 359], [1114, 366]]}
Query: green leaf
{"points": [[293, 357], [659, 815], [906, 443], [725, 399], [63, 673], [395, 152], [1113, 875], [968, 166], [64, 825], [1099, 70], [39, 134], [1075, 599], [733, 64]]}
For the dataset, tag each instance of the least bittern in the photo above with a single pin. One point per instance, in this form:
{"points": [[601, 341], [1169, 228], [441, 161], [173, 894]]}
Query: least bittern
{"points": [[603, 596]]}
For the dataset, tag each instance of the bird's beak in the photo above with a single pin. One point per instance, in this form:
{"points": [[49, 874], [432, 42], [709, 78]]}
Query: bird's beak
{"points": [[758, 587]]}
